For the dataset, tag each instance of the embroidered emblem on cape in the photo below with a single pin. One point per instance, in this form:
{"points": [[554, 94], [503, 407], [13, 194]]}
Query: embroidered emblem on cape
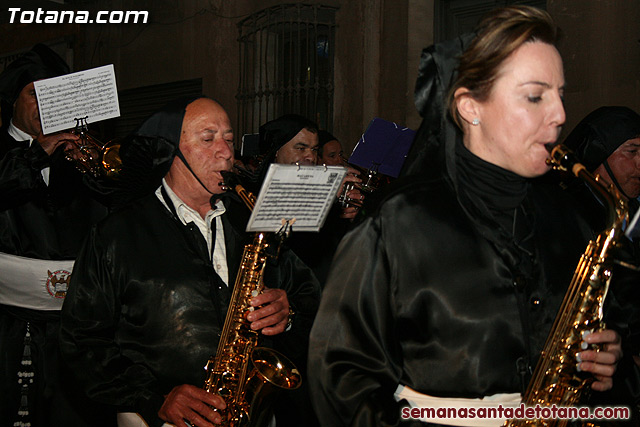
{"points": [[58, 283]]}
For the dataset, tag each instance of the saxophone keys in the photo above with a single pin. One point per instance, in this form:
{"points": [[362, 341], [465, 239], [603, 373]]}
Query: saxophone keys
{"points": [[224, 392], [578, 361], [585, 345], [227, 377]]}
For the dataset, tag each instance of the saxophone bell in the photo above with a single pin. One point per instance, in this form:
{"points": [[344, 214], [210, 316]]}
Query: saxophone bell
{"points": [[245, 375]]}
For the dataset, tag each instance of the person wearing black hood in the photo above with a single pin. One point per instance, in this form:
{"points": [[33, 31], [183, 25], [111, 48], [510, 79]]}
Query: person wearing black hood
{"points": [[151, 287], [45, 213], [607, 143], [443, 297], [330, 150], [289, 139]]}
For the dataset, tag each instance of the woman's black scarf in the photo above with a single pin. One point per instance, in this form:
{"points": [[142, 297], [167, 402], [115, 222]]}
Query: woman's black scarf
{"points": [[496, 202]]}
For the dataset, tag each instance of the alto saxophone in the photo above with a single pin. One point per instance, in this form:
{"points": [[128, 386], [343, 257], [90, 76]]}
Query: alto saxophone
{"points": [[556, 380], [244, 375]]}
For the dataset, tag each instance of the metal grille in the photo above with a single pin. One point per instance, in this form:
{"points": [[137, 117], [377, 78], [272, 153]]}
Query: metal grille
{"points": [[286, 65]]}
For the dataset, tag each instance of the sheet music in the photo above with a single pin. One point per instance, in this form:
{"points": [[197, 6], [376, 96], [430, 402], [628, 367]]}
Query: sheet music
{"points": [[303, 193], [91, 93]]}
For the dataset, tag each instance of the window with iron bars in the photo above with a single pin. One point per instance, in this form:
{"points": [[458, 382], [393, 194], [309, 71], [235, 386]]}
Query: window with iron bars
{"points": [[286, 65]]}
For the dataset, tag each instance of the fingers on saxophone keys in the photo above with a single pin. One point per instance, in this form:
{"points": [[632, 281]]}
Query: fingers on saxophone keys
{"points": [[599, 363], [584, 344], [205, 416]]}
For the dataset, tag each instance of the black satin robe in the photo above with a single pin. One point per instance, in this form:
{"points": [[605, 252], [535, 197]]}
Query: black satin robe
{"points": [[36, 220], [145, 307], [42, 222], [416, 296]]}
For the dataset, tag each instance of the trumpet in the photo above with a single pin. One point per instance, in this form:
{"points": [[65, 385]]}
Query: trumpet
{"points": [[92, 156], [370, 181]]}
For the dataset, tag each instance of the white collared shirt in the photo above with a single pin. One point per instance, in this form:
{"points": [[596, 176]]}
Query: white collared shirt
{"points": [[187, 214], [19, 135]]}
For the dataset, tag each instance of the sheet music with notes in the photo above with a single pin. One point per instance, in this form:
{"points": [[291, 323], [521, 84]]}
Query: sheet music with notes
{"points": [[303, 193], [89, 93]]}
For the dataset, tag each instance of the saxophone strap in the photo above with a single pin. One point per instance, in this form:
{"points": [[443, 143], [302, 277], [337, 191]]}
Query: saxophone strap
{"points": [[219, 290], [181, 157], [614, 180]]}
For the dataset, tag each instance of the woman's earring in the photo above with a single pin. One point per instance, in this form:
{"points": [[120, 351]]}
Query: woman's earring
{"points": [[475, 121]]}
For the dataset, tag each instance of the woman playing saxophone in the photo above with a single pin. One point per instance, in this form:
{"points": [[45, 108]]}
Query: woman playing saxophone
{"points": [[446, 293]]}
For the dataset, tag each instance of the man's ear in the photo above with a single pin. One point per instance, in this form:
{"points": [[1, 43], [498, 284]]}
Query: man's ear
{"points": [[467, 106]]}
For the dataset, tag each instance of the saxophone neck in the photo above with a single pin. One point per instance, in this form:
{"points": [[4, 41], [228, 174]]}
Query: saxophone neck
{"points": [[247, 197], [563, 159], [231, 182]]}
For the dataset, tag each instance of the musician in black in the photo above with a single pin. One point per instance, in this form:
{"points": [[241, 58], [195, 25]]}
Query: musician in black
{"points": [[446, 293], [45, 213], [607, 142], [152, 285]]}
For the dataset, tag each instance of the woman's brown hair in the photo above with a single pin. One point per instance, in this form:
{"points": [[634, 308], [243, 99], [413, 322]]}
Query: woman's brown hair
{"points": [[499, 34]]}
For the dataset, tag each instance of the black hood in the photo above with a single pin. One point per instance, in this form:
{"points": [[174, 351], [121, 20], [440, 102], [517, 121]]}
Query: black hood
{"points": [[147, 154], [39, 63], [276, 133], [436, 73], [601, 132]]}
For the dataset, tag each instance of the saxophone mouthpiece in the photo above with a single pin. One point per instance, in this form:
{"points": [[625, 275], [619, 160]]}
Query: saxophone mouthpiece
{"points": [[229, 180]]}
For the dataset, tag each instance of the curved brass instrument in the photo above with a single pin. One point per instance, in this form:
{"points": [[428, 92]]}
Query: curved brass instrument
{"points": [[556, 380], [244, 375], [371, 181], [92, 156]]}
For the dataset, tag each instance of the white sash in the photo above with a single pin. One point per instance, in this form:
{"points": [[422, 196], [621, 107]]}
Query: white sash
{"points": [[419, 400], [132, 419], [33, 283]]}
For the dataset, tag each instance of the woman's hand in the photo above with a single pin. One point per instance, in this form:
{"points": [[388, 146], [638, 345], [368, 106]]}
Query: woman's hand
{"points": [[602, 364]]}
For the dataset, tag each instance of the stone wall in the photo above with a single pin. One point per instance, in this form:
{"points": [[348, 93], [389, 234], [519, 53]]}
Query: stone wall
{"points": [[378, 45]]}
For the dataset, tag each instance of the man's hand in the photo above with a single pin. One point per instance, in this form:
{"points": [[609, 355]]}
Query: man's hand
{"points": [[602, 364], [350, 192], [273, 314], [351, 211], [49, 143], [193, 404]]}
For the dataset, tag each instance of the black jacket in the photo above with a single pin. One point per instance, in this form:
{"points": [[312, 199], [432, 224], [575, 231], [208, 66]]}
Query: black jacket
{"points": [[36, 220], [145, 306], [47, 222], [417, 296]]}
